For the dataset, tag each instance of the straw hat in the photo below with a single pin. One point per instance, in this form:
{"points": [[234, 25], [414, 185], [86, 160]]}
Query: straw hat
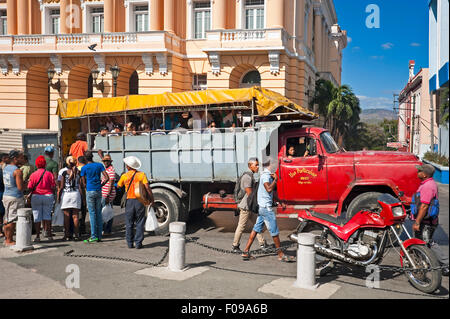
{"points": [[70, 160], [133, 162]]}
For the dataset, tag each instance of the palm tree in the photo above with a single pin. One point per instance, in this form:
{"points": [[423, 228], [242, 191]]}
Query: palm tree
{"points": [[339, 106]]}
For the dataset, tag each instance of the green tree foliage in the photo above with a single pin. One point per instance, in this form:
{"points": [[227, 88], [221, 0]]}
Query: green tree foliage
{"points": [[340, 109]]}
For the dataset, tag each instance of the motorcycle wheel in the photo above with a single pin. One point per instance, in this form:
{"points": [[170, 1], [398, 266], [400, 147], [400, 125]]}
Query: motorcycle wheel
{"points": [[425, 281]]}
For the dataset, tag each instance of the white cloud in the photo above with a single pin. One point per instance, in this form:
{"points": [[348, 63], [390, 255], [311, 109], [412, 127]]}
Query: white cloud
{"points": [[387, 45], [377, 57], [415, 44], [349, 39], [368, 102]]}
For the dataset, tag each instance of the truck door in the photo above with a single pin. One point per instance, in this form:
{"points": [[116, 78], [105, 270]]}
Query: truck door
{"points": [[303, 172]]}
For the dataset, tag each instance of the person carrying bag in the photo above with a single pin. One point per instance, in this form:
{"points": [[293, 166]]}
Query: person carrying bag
{"points": [[135, 211]]}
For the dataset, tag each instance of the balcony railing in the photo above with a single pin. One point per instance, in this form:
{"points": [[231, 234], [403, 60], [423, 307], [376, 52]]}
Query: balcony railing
{"points": [[126, 41], [243, 35]]}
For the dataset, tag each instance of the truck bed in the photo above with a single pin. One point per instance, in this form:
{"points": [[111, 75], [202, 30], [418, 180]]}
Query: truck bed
{"points": [[192, 156]]}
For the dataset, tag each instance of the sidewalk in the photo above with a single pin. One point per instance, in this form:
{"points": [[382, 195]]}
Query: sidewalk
{"points": [[42, 274]]}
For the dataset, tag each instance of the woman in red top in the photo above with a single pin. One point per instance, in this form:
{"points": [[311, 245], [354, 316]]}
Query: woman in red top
{"points": [[42, 183]]}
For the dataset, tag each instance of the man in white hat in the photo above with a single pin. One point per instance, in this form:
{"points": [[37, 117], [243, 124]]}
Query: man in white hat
{"points": [[134, 209]]}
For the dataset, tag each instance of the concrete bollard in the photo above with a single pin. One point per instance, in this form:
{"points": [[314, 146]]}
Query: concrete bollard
{"points": [[306, 262], [23, 230], [177, 246]]}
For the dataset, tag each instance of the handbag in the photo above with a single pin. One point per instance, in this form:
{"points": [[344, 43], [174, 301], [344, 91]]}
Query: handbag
{"points": [[141, 193], [28, 197], [123, 201]]}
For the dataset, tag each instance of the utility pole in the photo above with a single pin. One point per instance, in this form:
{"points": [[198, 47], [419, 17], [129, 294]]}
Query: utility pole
{"points": [[431, 123], [411, 134]]}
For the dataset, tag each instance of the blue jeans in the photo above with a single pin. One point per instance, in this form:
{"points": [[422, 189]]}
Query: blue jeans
{"points": [[94, 204], [2, 209], [266, 216], [134, 216], [107, 227]]}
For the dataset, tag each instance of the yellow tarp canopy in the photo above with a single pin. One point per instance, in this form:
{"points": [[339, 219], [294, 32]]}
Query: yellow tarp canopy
{"points": [[266, 102]]}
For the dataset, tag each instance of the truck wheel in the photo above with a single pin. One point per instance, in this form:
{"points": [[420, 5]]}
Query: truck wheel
{"points": [[369, 201], [366, 201], [167, 209]]}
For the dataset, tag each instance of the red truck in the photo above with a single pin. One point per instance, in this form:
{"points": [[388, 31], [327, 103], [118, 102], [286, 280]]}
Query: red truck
{"points": [[330, 180]]}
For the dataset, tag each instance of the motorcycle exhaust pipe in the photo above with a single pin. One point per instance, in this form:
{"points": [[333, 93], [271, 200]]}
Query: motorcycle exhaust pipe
{"points": [[333, 254], [293, 237]]}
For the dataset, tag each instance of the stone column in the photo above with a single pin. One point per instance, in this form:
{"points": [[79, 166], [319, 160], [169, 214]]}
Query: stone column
{"points": [[219, 14], [156, 15], [64, 26], [22, 12], [11, 11], [169, 16], [275, 13], [109, 15], [318, 38]]}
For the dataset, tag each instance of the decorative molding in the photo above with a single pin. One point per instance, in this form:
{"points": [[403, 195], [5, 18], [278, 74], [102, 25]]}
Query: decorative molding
{"points": [[56, 60], [148, 61], [274, 60], [15, 62], [4, 65], [161, 58], [214, 60], [101, 65]]}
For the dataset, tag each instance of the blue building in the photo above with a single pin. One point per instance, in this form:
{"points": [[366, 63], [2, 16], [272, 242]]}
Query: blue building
{"points": [[438, 65]]}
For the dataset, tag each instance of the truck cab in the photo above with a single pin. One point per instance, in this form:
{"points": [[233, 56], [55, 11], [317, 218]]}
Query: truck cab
{"points": [[315, 174]]}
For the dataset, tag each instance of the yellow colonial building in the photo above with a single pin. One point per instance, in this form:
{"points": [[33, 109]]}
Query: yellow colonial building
{"points": [[52, 49]]}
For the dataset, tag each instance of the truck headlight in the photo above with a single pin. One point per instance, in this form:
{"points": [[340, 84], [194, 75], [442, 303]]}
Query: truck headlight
{"points": [[398, 211]]}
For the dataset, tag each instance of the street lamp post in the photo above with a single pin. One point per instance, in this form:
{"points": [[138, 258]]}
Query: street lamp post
{"points": [[115, 70]]}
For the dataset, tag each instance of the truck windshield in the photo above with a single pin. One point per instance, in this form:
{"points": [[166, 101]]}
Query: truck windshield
{"points": [[329, 143]]}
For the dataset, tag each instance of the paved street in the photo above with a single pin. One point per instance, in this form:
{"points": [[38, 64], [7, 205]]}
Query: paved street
{"points": [[42, 273]]}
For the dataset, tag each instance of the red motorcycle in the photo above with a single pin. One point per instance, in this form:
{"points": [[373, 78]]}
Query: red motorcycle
{"points": [[362, 240]]}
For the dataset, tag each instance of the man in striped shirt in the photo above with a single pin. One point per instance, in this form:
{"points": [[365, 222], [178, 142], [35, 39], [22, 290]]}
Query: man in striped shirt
{"points": [[108, 191]]}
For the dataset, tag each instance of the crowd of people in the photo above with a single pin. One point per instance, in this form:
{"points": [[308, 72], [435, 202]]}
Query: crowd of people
{"points": [[171, 122], [82, 186]]}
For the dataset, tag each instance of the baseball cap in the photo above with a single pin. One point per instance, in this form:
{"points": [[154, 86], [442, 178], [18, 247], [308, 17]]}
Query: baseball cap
{"points": [[49, 149], [426, 168]]}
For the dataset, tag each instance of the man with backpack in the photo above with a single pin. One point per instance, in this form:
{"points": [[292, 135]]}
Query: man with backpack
{"points": [[244, 187], [266, 213], [425, 212]]}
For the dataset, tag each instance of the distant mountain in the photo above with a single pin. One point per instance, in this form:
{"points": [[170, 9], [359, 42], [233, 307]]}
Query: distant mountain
{"points": [[377, 115]]}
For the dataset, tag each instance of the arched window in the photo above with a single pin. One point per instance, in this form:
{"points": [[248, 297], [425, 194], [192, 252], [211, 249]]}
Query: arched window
{"points": [[250, 79], [134, 84]]}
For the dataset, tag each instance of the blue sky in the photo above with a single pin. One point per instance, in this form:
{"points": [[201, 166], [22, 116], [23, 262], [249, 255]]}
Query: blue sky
{"points": [[375, 62]]}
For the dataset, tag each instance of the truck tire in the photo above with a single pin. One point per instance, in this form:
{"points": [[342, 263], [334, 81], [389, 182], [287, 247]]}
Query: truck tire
{"points": [[369, 201], [168, 209], [363, 201]]}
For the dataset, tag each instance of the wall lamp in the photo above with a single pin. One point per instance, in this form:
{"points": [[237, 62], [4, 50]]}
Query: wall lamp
{"points": [[56, 85], [100, 86]]}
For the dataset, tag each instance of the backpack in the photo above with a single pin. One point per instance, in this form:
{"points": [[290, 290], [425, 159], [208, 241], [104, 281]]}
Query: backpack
{"points": [[252, 199], [433, 209], [239, 193]]}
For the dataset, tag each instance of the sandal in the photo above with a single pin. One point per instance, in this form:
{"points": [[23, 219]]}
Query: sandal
{"points": [[246, 256], [286, 259], [37, 240]]}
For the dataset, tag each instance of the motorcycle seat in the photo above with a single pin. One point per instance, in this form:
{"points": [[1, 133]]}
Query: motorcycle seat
{"points": [[340, 220]]}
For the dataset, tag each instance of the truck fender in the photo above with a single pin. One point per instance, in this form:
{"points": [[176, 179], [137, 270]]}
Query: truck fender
{"points": [[407, 243], [180, 193], [351, 186]]}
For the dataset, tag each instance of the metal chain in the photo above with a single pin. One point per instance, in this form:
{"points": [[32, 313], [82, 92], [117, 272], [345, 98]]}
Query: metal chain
{"points": [[406, 269], [252, 252], [156, 264]]}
